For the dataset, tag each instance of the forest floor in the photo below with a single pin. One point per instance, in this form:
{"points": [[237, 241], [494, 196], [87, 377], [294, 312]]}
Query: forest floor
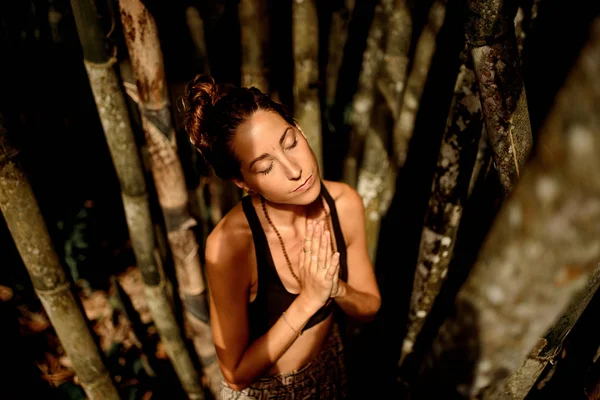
{"points": [[134, 362]]}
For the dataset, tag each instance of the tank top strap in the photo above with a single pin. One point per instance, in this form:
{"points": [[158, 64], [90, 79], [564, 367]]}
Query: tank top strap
{"points": [[337, 229], [261, 245]]}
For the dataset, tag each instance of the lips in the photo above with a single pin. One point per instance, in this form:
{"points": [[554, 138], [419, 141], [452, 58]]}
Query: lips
{"points": [[304, 185]]}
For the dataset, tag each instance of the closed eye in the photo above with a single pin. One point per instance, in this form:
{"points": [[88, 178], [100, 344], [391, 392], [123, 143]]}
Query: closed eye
{"points": [[292, 145], [266, 171]]}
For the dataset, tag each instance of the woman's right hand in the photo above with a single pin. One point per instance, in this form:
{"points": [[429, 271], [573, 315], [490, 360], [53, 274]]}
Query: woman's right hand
{"points": [[318, 267]]}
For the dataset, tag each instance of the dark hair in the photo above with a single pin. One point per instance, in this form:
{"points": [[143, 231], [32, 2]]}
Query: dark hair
{"points": [[214, 112]]}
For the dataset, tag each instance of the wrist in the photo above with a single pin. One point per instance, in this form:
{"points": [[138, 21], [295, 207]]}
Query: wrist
{"points": [[306, 305]]}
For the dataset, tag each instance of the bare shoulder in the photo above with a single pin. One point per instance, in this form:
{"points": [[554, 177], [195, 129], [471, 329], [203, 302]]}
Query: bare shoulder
{"points": [[347, 200], [230, 242]]}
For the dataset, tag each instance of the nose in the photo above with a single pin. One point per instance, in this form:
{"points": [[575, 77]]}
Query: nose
{"points": [[293, 170]]}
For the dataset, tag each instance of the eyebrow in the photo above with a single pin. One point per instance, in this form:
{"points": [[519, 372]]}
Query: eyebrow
{"points": [[265, 155]]}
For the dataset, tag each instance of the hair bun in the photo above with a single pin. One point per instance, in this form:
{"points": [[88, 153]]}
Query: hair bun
{"points": [[202, 93]]}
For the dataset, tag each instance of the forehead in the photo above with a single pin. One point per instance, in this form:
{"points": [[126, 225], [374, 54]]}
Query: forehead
{"points": [[259, 134]]}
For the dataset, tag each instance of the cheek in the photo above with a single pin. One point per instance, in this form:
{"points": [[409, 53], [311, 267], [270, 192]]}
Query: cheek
{"points": [[305, 151]]}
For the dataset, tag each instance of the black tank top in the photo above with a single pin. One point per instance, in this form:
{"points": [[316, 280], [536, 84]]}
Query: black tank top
{"points": [[272, 299]]}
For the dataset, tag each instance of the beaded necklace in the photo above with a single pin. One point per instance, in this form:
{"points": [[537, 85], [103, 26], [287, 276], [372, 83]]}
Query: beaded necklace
{"points": [[285, 254]]}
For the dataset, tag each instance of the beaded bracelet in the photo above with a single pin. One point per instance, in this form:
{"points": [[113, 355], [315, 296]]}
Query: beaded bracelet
{"points": [[290, 325]]}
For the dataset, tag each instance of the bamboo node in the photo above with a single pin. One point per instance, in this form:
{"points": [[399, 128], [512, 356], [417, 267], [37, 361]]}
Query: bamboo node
{"points": [[108, 64], [62, 287], [99, 381]]}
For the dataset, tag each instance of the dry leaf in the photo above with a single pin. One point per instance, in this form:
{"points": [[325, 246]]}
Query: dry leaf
{"points": [[6, 293]]}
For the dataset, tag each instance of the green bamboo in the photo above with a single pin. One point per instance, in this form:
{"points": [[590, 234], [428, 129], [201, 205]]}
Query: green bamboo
{"points": [[114, 117], [30, 234]]}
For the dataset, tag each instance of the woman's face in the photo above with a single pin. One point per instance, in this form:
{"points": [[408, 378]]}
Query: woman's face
{"points": [[276, 160]]}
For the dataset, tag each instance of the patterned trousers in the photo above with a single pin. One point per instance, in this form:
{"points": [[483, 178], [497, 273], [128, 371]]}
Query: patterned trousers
{"points": [[323, 378]]}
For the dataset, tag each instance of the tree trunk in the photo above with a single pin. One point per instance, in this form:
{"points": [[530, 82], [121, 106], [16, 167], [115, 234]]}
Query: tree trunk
{"points": [[338, 35], [305, 34], [147, 64], [483, 161], [539, 254], [405, 124], [448, 196], [254, 29], [121, 143], [196, 28], [526, 13], [392, 76], [491, 36], [364, 99], [547, 351], [28, 229], [377, 175]]}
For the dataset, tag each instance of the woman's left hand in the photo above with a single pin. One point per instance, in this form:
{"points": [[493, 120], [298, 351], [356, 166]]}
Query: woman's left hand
{"points": [[338, 288]]}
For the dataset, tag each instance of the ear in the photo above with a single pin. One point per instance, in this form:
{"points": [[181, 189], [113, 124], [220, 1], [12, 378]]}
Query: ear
{"points": [[242, 185]]}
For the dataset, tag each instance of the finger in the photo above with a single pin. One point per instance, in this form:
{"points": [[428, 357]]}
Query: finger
{"points": [[301, 261], [334, 286], [316, 242], [328, 256], [307, 244], [335, 264], [322, 259]]}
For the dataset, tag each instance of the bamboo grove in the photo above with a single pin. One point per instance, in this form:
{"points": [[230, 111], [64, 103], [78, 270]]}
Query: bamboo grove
{"points": [[483, 212]]}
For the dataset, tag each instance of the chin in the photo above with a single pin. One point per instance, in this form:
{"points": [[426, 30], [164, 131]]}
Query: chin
{"points": [[311, 194]]}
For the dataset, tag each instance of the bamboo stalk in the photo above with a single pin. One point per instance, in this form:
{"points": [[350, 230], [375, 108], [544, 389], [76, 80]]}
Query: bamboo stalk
{"points": [[491, 36], [254, 30], [448, 196], [338, 35], [114, 117], [376, 179], [405, 124], [539, 254], [391, 81], [141, 37], [482, 161], [548, 349], [307, 109], [196, 28], [28, 229], [364, 99], [377, 175]]}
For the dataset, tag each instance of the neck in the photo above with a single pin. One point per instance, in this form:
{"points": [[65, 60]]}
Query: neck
{"points": [[286, 214]]}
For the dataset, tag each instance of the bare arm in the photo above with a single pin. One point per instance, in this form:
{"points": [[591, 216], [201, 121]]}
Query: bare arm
{"points": [[359, 297], [242, 362]]}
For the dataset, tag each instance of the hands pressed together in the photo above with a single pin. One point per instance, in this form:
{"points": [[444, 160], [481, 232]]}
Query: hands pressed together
{"points": [[318, 268]]}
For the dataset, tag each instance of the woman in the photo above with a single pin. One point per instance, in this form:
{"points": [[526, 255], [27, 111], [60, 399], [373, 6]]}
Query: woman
{"points": [[280, 261]]}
